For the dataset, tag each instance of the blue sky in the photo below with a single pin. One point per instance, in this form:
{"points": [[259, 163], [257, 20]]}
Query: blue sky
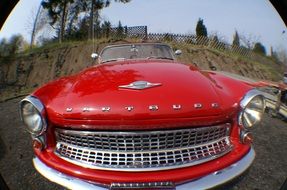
{"points": [[255, 19]]}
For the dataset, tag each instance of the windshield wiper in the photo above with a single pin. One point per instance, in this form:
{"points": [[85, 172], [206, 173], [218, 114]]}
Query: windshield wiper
{"points": [[110, 60], [158, 57]]}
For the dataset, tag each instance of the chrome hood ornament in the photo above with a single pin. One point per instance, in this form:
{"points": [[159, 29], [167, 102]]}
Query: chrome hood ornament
{"points": [[140, 85]]}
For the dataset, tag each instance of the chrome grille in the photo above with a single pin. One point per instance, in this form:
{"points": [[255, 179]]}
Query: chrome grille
{"points": [[142, 141], [145, 150]]}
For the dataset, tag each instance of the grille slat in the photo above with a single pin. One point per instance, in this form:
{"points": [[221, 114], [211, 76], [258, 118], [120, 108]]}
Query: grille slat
{"points": [[145, 150]]}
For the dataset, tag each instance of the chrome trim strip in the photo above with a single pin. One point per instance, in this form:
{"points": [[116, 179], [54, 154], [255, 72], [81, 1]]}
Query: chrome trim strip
{"points": [[214, 179], [67, 131]]}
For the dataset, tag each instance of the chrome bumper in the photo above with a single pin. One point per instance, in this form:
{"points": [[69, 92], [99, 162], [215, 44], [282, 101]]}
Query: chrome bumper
{"points": [[206, 182]]}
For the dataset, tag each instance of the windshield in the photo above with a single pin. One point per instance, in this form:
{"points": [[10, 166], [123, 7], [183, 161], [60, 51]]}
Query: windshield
{"points": [[136, 51]]}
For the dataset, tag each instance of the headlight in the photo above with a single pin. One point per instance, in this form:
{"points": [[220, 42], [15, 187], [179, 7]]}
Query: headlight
{"points": [[253, 106], [32, 111]]}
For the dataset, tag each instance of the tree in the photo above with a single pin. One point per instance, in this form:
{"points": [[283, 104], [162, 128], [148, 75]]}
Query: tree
{"points": [[36, 23], [15, 44], [58, 10], [94, 6], [259, 48], [168, 37], [280, 55], [200, 28], [12, 46], [79, 31], [106, 27], [248, 40], [64, 13], [236, 40], [215, 39], [75, 8], [120, 30], [3, 48]]}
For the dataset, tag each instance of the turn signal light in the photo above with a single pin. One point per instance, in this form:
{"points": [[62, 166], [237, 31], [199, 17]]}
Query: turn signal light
{"points": [[38, 144], [246, 137]]}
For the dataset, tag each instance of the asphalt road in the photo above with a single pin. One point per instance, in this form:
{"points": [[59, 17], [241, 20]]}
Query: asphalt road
{"points": [[268, 171]]}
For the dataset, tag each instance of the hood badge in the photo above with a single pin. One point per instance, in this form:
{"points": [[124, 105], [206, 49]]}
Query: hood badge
{"points": [[140, 85]]}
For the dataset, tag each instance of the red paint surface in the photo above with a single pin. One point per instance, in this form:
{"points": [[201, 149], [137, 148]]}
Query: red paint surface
{"points": [[97, 87], [182, 84]]}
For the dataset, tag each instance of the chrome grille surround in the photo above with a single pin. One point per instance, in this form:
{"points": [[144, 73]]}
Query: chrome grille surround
{"points": [[143, 150]]}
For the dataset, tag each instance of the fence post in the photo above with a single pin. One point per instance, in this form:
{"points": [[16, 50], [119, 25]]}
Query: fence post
{"points": [[145, 33]]}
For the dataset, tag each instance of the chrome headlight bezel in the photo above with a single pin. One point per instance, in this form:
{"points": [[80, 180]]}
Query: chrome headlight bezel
{"points": [[38, 110], [246, 104]]}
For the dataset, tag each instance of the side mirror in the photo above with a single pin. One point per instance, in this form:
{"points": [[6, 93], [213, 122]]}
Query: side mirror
{"points": [[178, 52], [94, 55]]}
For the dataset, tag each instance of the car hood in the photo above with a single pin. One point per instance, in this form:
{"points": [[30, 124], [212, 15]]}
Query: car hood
{"points": [[95, 94]]}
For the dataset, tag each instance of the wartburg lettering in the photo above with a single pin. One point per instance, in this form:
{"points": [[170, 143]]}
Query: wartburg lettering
{"points": [[151, 107], [141, 126]]}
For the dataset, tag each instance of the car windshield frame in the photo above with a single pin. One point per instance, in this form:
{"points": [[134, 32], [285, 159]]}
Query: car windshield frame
{"points": [[136, 51]]}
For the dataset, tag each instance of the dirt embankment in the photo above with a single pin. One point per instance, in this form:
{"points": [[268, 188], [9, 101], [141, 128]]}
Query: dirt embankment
{"points": [[35, 69], [32, 70], [208, 59]]}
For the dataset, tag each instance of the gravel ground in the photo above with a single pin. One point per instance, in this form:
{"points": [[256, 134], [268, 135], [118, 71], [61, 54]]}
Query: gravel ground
{"points": [[268, 172]]}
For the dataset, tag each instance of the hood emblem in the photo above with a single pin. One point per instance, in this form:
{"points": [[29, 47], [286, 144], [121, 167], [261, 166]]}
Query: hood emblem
{"points": [[140, 85]]}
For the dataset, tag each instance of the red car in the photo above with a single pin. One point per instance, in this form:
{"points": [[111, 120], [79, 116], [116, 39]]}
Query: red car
{"points": [[139, 119]]}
